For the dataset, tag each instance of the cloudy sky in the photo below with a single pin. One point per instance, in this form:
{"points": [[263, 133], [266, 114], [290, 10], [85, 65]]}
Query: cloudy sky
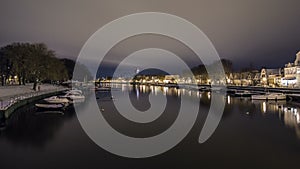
{"points": [[261, 32]]}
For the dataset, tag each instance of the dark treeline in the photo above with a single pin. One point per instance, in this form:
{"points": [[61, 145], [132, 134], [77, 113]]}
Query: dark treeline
{"points": [[31, 63], [201, 69], [83, 75]]}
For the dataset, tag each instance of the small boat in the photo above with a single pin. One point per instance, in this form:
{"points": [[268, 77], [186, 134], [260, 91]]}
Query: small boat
{"points": [[218, 89], [204, 89], [171, 85], [58, 112], [74, 91], [242, 94], [56, 100], [75, 97], [50, 106], [102, 88], [269, 96]]}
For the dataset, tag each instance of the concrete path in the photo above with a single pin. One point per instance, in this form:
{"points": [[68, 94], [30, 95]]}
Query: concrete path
{"points": [[11, 94]]}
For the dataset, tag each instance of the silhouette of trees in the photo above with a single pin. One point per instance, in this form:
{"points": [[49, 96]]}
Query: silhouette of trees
{"points": [[82, 75], [30, 63], [200, 71]]}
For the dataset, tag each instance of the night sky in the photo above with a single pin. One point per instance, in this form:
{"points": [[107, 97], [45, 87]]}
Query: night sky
{"points": [[257, 32]]}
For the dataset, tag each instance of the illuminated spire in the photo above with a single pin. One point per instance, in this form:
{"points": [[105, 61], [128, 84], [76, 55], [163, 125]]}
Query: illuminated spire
{"points": [[297, 61], [137, 70]]}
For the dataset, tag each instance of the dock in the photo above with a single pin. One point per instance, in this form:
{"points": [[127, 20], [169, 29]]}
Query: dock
{"points": [[267, 89]]}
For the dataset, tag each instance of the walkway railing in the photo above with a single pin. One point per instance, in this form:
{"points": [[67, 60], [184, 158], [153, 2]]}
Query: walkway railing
{"points": [[7, 101]]}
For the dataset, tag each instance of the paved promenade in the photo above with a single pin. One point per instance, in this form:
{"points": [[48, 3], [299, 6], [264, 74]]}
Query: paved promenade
{"points": [[11, 94]]}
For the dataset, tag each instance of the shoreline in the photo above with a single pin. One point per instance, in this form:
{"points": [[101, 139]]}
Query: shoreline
{"points": [[18, 100], [228, 87], [10, 103]]}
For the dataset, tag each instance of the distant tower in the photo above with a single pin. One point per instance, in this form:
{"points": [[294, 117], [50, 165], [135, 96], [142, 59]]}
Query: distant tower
{"points": [[297, 61], [137, 70], [297, 65]]}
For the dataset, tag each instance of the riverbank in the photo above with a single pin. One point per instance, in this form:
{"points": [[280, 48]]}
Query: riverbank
{"points": [[13, 90], [207, 87], [266, 89], [13, 97]]}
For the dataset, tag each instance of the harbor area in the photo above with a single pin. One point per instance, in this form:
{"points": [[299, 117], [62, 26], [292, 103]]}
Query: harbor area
{"points": [[12, 97]]}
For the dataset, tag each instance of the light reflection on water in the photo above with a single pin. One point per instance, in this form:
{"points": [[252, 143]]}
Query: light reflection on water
{"points": [[228, 99], [252, 134], [289, 113]]}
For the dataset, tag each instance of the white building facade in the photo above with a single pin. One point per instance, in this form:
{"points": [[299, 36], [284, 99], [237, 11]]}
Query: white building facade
{"points": [[292, 73]]}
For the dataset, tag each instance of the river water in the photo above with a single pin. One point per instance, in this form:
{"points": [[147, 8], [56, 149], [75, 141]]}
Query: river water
{"points": [[251, 134]]}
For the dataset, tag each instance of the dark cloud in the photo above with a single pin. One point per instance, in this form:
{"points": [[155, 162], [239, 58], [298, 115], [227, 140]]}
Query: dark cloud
{"points": [[261, 32]]}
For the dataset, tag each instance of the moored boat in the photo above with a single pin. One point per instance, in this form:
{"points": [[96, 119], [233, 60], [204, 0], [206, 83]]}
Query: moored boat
{"points": [[49, 106], [242, 94], [218, 89], [74, 91], [56, 100], [269, 96], [102, 89], [74, 97], [51, 112], [171, 85]]}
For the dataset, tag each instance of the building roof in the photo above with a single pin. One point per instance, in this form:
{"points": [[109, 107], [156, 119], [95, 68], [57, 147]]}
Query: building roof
{"points": [[273, 71], [289, 78]]}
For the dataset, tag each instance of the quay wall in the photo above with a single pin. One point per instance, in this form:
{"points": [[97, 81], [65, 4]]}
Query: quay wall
{"points": [[4, 114], [251, 88]]}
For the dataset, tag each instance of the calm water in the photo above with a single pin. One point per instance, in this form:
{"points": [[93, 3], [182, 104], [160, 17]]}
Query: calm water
{"points": [[252, 134]]}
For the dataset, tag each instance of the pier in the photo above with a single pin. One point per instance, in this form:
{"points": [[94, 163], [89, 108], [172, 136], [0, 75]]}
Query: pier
{"points": [[266, 89], [257, 89]]}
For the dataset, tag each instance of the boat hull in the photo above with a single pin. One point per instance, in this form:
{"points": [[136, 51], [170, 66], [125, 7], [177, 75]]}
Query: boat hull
{"points": [[56, 100], [49, 106], [269, 97]]}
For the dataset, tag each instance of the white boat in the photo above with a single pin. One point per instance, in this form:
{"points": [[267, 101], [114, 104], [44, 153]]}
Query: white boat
{"points": [[269, 96], [49, 106], [171, 85], [56, 100], [242, 94], [102, 88], [58, 112], [218, 89], [74, 91], [75, 97]]}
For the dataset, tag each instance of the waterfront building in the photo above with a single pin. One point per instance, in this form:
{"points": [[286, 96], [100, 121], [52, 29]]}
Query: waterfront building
{"points": [[270, 77], [256, 79], [246, 78], [249, 80], [292, 73], [200, 79], [229, 79], [236, 79], [171, 79]]}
